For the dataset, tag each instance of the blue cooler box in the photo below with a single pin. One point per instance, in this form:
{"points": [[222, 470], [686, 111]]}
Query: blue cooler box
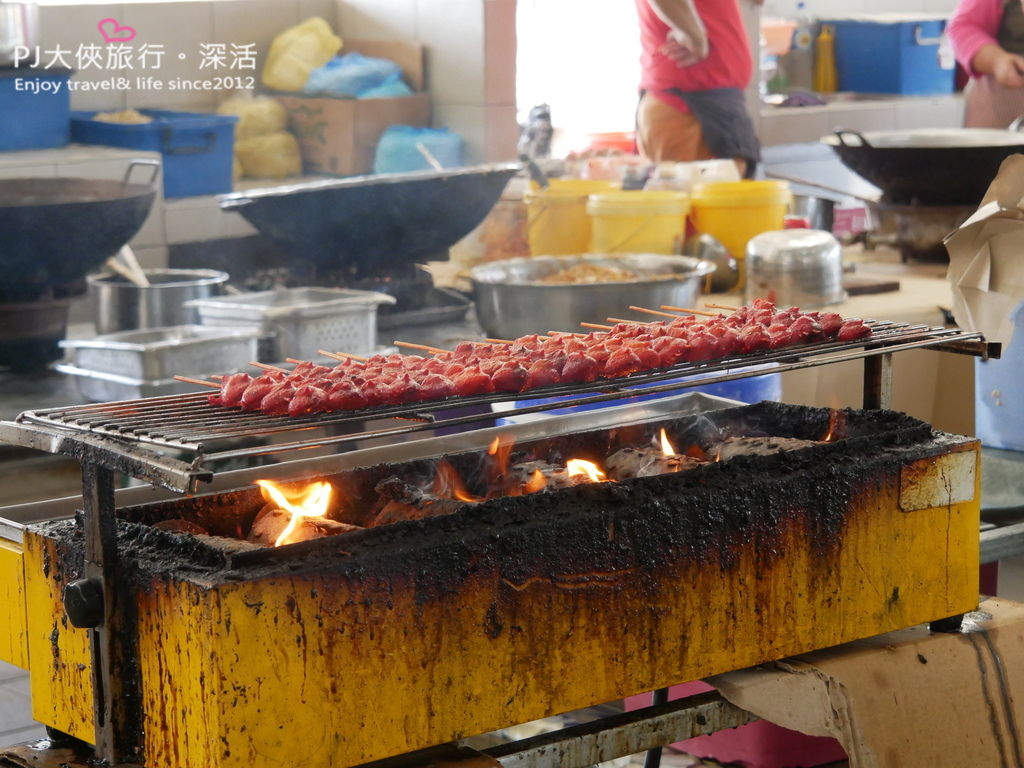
{"points": [[892, 53], [198, 149], [35, 108]]}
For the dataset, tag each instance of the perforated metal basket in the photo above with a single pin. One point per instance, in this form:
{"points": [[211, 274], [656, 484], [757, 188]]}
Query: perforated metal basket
{"points": [[296, 322]]}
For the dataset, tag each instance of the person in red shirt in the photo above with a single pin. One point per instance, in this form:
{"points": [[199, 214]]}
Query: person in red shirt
{"points": [[695, 65]]}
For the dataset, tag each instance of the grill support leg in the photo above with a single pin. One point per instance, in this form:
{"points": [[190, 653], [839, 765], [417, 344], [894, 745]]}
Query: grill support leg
{"points": [[878, 381], [106, 640]]}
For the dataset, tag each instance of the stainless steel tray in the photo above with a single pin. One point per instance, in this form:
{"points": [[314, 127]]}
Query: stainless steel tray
{"points": [[161, 353], [103, 387]]}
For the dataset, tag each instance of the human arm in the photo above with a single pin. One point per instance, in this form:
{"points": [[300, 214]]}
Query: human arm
{"points": [[687, 40], [972, 33]]}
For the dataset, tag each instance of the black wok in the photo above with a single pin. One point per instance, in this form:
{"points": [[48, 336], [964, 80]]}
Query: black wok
{"points": [[53, 231], [938, 167], [373, 225]]}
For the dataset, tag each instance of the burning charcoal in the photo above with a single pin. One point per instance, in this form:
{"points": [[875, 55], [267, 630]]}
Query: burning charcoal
{"points": [[527, 476], [181, 526], [402, 501], [646, 462], [758, 446], [271, 523]]}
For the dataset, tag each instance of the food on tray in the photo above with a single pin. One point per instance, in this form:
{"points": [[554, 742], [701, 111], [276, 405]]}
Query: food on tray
{"points": [[598, 273], [124, 116], [531, 362]]}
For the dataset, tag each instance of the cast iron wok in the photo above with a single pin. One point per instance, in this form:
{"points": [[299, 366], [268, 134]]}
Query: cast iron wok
{"points": [[936, 167]]}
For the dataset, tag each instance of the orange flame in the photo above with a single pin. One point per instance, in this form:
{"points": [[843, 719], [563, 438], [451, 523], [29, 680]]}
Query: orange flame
{"points": [[666, 446], [311, 501], [497, 472], [448, 484], [836, 426], [537, 482], [590, 469]]}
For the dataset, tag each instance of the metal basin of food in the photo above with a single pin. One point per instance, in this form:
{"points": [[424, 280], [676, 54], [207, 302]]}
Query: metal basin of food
{"points": [[512, 301]]}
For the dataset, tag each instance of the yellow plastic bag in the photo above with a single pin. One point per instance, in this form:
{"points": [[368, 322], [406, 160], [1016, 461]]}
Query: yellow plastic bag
{"points": [[298, 51], [272, 156], [256, 116]]}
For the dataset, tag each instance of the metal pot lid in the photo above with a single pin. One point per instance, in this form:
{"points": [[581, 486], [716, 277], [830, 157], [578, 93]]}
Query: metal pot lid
{"points": [[944, 138], [790, 241]]}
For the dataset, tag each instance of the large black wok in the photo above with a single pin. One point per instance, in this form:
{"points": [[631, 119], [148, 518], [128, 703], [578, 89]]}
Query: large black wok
{"points": [[55, 230], [374, 224], [937, 167]]}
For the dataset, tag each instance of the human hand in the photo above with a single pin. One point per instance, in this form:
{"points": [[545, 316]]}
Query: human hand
{"points": [[1008, 70], [685, 50]]}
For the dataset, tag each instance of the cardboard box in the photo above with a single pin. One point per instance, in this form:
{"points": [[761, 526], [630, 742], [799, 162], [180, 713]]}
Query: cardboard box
{"points": [[339, 136], [906, 699]]}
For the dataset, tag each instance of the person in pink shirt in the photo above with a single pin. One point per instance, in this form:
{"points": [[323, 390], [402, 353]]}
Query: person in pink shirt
{"points": [[988, 40]]}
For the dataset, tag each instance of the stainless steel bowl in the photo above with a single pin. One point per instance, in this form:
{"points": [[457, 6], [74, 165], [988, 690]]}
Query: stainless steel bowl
{"points": [[511, 302], [122, 306], [19, 27], [799, 267]]}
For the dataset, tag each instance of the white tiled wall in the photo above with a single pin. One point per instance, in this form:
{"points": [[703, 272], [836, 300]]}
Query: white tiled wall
{"points": [[826, 8], [470, 62]]}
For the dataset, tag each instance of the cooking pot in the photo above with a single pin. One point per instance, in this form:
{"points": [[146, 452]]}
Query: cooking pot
{"points": [[19, 26], [800, 267], [952, 166], [124, 306]]}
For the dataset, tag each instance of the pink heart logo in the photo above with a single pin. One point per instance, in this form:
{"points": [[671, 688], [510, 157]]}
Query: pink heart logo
{"points": [[115, 33]]}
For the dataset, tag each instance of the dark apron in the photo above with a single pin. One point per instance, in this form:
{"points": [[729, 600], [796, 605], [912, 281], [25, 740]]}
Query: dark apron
{"points": [[725, 123]]}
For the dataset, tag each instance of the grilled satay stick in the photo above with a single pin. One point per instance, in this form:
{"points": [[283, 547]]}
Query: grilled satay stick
{"points": [[728, 307], [423, 347], [266, 367], [596, 326], [690, 311], [189, 380], [502, 341], [340, 356]]}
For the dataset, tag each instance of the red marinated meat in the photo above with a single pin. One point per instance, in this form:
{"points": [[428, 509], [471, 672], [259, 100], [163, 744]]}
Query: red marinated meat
{"points": [[852, 330], [345, 396], [649, 359], [580, 368], [753, 338], [674, 351], [232, 388], [471, 381], [255, 392], [830, 323], [542, 373], [511, 377], [434, 386], [621, 362], [276, 401], [804, 329], [401, 389], [701, 347], [307, 399]]}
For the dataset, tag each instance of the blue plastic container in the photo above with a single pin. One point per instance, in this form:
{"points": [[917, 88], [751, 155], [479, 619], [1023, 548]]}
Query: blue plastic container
{"points": [[891, 56], [999, 393], [197, 148], [31, 118]]}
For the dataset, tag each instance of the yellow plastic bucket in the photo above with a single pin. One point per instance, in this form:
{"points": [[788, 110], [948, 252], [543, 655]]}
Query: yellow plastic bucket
{"points": [[556, 217], [734, 211], [638, 222]]}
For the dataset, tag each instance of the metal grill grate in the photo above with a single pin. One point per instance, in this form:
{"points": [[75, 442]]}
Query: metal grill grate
{"points": [[189, 424]]}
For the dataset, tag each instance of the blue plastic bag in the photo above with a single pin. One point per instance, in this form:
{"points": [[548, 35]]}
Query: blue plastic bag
{"points": [[351, 75], [392, 88], [397, 152]]}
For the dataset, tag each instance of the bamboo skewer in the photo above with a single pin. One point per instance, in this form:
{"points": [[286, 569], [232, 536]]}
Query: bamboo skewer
{"points": [[628, 322], [189, 380], [596, 326], [721, 306], [565, 333], [341, 356], [654, 312], [690, 311], [266, 367], [500, 341], [422, 347]]}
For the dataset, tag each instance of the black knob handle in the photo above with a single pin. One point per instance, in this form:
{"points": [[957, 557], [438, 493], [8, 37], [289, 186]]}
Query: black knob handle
{"points": [[83, 603]]}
